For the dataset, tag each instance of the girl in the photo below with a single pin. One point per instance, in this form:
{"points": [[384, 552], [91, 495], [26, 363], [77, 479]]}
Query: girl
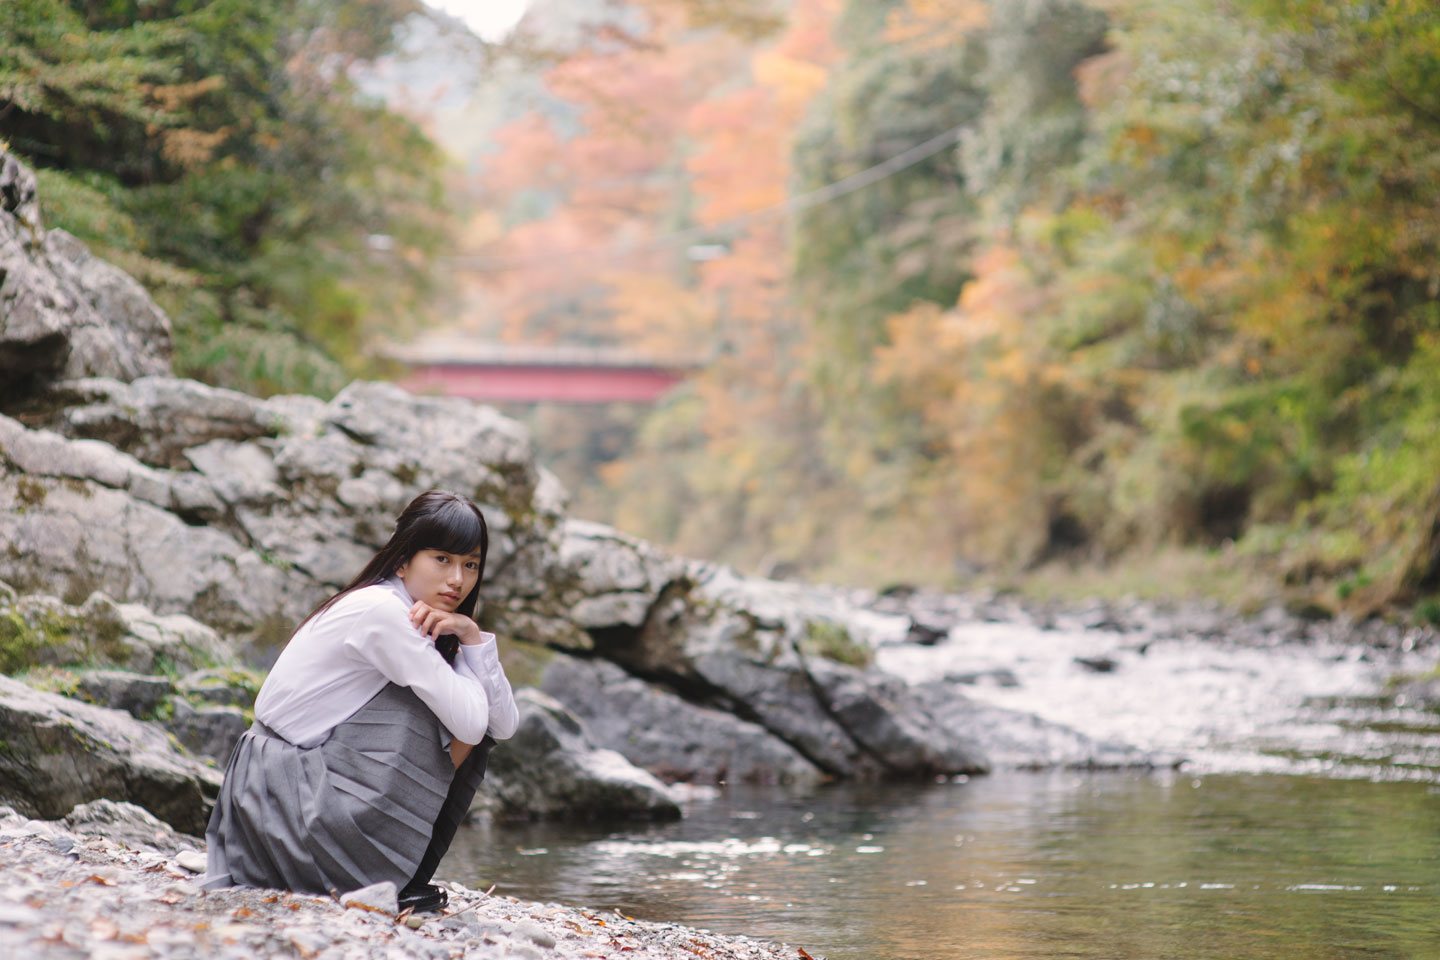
{"points": [[363, 758]]}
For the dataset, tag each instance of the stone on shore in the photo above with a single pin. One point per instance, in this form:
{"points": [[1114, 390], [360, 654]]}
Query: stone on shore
{"points": [[136, 694], [59, 752], [124, 822], [382, 896], [674, 739], [552, 769]]}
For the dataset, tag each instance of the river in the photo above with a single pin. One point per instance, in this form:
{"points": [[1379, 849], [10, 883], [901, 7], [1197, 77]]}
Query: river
{"points": [[1303, 823]]}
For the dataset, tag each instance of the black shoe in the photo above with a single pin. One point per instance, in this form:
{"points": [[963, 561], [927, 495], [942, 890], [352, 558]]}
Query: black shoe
{"points": [[426, 898]]}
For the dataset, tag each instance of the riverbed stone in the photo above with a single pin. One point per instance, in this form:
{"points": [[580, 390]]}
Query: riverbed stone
{"points": [[552, 769], [891, 725], [1014, 740], [674, 739], [61, 752], [137, 694], [207, 731]]}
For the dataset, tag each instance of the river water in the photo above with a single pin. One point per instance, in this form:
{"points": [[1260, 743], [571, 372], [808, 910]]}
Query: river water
{"points": [[1117, 866], [1304, 823]]}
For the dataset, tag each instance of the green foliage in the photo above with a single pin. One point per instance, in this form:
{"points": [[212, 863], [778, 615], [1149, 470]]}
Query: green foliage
{"points": [[19, 643], [833, 641], [219, 152]]}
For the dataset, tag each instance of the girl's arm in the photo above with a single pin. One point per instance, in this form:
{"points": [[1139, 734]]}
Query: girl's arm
{"points": [[478, 658], [481, 662], [387, 640]]}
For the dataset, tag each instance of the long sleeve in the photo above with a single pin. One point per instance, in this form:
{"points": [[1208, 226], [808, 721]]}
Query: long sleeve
{"points": [[388, 641], [481, 663]]}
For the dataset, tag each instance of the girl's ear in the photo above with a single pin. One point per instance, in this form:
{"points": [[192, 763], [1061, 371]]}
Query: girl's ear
{"points": [[400, 570]]}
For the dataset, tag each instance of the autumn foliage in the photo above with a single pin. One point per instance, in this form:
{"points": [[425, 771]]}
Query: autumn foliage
{"points": [[1174, 283]]}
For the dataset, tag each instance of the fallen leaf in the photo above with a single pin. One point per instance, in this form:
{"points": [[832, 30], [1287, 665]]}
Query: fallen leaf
{"points": [[803, 954], [103, 881], [103, 930]]}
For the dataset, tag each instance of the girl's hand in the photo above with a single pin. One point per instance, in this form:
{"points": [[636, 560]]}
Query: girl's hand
{"points": [[435, 623]]}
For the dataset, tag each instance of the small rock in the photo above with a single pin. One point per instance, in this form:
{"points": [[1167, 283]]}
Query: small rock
{"points": [[998, 676], [1097, 664], [535, 933], [18, 914], [191, 860], [63, 843], [307, 942], [378, 896]]}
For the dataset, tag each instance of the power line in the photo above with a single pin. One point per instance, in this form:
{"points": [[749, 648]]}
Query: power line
{"points": [[812, 198]]}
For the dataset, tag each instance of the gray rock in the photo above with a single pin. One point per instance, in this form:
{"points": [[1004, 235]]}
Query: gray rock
{"points": [[63, 312], [136, 694], [126, 823], [670, 737], [1009, 739], [535, 933], [207, 731], [157, 419], [994, 676], [192, 860], [891, 724], [43, 630], [60, 752], [381, 896], [551, 769]]}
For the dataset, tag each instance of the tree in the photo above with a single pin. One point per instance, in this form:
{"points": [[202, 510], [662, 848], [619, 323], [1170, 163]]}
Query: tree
{"points": [[218, 150]]}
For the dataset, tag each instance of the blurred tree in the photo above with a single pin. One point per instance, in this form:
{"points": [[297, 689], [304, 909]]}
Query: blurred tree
{"points": [[218, 151]]}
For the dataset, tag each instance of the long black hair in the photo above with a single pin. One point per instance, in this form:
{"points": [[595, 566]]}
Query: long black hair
{"points": [[435, 520]]}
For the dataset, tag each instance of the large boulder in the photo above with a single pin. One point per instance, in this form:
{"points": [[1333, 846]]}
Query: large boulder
{"points": [[58, 752], [251, 533], [788, 658], [552, 769], [669, 736], [64, 313], [38, 630]]}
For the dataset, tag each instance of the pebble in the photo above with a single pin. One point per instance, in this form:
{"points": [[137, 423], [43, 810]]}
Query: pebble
{"points": [[191, 860], [378, 896], [535, 933]]}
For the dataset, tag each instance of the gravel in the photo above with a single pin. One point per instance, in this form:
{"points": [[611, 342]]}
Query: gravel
{"points": [[89, 896]]}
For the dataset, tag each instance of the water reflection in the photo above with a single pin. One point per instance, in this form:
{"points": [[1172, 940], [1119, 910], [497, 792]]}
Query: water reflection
{"points": [[1015, 866]]}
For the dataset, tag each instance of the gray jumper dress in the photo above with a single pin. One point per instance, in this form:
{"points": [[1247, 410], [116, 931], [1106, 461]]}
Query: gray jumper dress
{"points": [[380, 799]]}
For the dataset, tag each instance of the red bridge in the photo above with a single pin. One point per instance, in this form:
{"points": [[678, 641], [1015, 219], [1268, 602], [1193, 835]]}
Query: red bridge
{"points": [[504, 373]]}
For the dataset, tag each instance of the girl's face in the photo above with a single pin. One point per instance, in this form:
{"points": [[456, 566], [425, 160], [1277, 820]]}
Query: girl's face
{"points": [[439, 578]]}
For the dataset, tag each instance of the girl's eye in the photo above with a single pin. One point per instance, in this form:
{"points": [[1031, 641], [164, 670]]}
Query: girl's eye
{"points": [[472, 565], [441, 558]]}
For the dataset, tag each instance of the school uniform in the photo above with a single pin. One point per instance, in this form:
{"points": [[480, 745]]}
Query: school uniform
{"points": [[345, 778]]}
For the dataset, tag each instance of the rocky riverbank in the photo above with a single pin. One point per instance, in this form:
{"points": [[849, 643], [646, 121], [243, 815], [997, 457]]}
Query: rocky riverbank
{"points": [[111, 882]]}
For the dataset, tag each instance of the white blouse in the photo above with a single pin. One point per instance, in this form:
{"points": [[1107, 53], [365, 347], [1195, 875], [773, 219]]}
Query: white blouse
{"points": [[339, 660]]}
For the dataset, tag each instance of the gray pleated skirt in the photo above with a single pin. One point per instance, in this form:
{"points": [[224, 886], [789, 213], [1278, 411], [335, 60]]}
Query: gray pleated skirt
{"points": [[360, 808]]}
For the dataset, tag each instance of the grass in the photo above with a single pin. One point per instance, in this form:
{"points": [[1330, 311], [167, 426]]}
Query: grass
{"points": [[1170, 574]]}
